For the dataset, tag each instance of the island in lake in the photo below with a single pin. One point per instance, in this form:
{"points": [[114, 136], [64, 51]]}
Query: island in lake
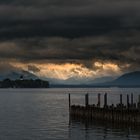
{"points": [[24, 83]]}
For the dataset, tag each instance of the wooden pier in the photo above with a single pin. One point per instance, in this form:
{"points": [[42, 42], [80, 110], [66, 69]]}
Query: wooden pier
{"points": [[119, 113]]}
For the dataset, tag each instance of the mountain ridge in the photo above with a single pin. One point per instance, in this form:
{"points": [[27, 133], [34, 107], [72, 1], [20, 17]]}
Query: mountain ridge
{"points": [[14, 75], [131, 79]]}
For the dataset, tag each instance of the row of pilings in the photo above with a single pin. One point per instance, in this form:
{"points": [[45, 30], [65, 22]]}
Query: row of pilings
{"points": [[119, 113]]}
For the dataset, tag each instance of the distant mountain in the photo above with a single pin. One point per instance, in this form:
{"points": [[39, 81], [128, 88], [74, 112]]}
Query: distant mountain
{"points": [[89, 81], [103, 79], [132, 78], [13, 75], [128, 79], [79, 81]]}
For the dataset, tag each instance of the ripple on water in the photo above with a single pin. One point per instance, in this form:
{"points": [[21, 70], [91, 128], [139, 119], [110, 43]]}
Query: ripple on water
{"points": [[42, 114]]}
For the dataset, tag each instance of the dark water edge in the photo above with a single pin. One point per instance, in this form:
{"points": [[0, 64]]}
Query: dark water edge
{"points": [[95, 86], [105, 130], [42, 114]]}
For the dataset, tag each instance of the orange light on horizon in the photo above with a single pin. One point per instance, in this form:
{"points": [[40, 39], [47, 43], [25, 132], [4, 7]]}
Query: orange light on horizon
{"points": [[68, 70]]}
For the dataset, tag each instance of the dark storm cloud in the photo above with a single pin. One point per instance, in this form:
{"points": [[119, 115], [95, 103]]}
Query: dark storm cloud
{"points": [[19, 19], [6, 68], [85, 50], [33, 68], [79, 31]]}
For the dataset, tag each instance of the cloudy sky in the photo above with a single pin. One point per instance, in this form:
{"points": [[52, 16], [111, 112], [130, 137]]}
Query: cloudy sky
{"points": [[70, 38]]}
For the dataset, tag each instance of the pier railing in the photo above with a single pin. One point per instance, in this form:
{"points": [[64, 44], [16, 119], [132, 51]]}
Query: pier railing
{"points": [[129, 113]]}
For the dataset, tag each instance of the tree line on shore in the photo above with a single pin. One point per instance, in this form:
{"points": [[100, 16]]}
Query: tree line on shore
{"points": [[24, 83]]}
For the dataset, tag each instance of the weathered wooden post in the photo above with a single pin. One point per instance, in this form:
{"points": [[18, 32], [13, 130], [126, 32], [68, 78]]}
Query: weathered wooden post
{"points": [[132, 100], [99, 100], [69, 108], [105, 100], [86, 100], [121, 100], [69, 102], [139, 102], [128, 101], [139, 98]]}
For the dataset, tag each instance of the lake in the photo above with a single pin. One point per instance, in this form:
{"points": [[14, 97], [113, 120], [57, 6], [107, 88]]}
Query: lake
{"points": [[42, 114]]}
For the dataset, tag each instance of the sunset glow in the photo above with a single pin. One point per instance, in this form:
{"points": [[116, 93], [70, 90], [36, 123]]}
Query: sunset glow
{"points": [[67, 70]]}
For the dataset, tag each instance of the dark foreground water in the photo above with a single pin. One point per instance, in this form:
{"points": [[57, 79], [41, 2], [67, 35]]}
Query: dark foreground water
{"points": [[42, 114]]}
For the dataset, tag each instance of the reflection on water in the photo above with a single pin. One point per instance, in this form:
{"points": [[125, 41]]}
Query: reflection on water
{"points": [[42, 114], [102, 131]]}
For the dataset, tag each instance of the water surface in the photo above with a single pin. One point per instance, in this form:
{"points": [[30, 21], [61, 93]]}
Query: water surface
{"points": [[42, 114]]}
